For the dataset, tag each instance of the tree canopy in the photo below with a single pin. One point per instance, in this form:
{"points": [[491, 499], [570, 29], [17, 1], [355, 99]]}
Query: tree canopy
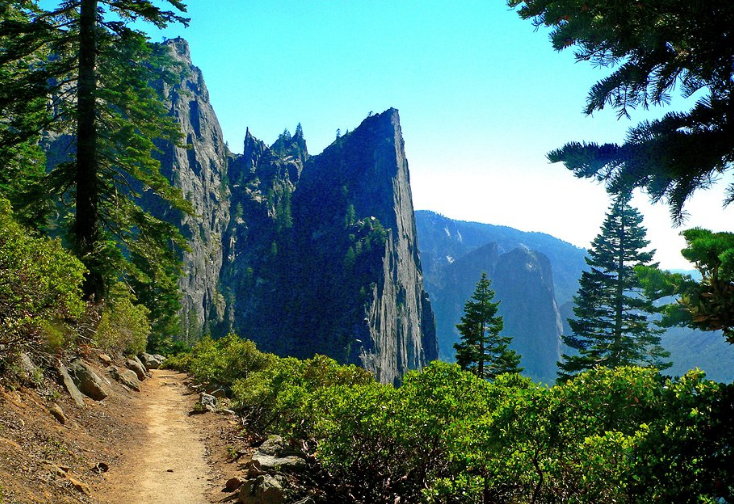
{"points": [[611, 327], [482, 350], [654, 47], [80, 75]]}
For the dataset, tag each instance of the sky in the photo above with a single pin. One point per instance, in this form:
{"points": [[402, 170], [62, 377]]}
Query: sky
{"points": [[482, 98]]}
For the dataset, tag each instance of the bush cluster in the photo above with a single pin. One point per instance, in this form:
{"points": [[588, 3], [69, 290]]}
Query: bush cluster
{"points": [[42, 310], [445, 436], [40, 287], [124, 326]]}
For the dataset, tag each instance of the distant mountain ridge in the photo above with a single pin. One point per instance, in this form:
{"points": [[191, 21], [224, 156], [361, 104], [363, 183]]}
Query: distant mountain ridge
{"points": [[443, 240], [455, 252]]}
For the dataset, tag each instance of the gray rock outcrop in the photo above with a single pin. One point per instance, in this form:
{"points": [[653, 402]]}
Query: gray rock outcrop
{"points": [[135, 365], [199, 170], [332, 237], [127, 377], [276, 455], [87, 380], [151, 361], [66, 380], [265, 489], [532, 317], [364, 175]]}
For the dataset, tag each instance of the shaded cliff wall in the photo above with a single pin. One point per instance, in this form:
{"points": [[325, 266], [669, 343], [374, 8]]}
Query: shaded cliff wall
{"points": [[199, 169], [256, 276], [320, 252], [353, 211]]}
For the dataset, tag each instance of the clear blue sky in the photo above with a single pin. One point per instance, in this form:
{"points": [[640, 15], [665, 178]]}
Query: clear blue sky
{"points": [[482, 99]]}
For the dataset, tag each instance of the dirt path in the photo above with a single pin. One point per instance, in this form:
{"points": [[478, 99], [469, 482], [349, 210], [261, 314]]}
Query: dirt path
{"points": [[164, 461]]}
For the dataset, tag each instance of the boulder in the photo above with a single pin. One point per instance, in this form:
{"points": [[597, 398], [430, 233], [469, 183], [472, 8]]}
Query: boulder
{"points": [[105, 359], [150, 361], [87, 380], [232, 484], [135, 365], [263, 463], [276, 455], [127, 377], [30, 371], [137, 359], [265, 489], [278, 447], [208, 402], [66, 380]]}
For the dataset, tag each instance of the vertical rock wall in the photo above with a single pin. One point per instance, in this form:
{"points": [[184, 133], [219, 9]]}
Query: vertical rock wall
{"points": [[301, 254], [199, 170]]}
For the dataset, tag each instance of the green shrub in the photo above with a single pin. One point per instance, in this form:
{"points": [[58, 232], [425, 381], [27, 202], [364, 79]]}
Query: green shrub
{"points": [[446, 436], [278, 395], [124, 326], [40, 285], [180, 361], [223, 361]]}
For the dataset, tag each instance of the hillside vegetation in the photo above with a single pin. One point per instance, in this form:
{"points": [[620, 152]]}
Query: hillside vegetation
{"points": [[607, 435]]}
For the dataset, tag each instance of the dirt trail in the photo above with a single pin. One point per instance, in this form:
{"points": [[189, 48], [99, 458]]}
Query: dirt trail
{"points": [[164, 461]]}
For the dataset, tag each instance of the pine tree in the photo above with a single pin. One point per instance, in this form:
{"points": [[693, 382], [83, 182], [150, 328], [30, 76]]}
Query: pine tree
{"points": [[650, 50], [611, 326], [482, 350], [93, 72]]}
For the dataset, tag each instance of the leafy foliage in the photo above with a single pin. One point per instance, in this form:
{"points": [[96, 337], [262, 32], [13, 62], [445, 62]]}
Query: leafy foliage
{"points": [[75, 70], [124, 326], [40, 284], [223, 361], [447, 436], [482, 350], [652, 47], [708, 304], [610, 327]]}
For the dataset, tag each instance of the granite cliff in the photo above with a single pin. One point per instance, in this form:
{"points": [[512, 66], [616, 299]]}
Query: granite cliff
{"points": [[302, 254], [199, 169], [321, 254], [355, 199]]}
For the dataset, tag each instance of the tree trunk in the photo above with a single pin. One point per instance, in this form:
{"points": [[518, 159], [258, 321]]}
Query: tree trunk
{"points": [[86, 226]]}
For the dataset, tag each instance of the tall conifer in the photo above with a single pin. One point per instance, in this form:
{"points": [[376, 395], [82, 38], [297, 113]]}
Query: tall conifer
{"points": [[611, 326], [482, 350], [81, 71]]}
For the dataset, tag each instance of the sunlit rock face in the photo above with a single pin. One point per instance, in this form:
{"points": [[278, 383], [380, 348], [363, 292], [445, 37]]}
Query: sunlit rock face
{"points": [[302, 254], [198, 168]]}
